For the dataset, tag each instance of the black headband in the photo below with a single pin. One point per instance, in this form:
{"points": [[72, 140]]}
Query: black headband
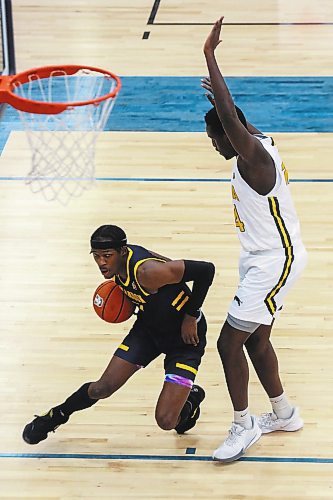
{"points": [[105, 245]]}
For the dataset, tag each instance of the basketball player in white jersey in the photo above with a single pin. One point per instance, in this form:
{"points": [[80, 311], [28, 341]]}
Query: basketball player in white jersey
{"points": [[272, 258]]}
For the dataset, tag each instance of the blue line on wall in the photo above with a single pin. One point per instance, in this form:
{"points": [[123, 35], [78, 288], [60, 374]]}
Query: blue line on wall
{"points": [[178, 104]]}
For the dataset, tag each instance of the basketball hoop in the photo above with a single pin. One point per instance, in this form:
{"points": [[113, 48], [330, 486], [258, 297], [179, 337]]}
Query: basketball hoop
{"points": [[62, 108]]}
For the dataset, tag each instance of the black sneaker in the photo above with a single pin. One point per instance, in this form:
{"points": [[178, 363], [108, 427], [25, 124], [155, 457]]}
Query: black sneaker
{"points": [[196, 396], [38, 429]]}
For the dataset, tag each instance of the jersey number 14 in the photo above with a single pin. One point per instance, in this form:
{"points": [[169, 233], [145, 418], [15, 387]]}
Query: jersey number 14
{"points": [[238, 221]]}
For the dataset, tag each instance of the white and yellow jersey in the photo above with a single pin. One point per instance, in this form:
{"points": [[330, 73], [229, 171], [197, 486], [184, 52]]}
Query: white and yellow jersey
{"points": [[269, 221]]}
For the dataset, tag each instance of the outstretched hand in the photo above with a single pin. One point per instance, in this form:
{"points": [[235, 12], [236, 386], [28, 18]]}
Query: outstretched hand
{"points": [[213, 39], [205, 84]]}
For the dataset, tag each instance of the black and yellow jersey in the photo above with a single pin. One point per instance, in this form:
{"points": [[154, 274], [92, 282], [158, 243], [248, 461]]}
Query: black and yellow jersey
{"points": [[161, 310]]}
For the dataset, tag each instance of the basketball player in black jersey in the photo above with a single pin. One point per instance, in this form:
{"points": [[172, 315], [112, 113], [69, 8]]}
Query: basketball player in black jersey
{"points": [[169, 321]]}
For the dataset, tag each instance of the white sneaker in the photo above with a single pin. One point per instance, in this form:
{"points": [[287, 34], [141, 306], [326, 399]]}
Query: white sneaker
{"points": [[238, 441], [269, 422]]}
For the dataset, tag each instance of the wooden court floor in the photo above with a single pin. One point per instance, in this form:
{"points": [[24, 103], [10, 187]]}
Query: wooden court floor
{"points": [[51, 340]]}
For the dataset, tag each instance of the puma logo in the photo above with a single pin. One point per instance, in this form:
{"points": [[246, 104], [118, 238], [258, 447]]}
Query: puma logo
{"points": [[238, 300]]}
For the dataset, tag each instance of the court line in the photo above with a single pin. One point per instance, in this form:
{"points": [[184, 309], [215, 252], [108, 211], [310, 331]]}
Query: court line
{"points": [[190, 451], [198, 458], [150, 179], [247, 24], [156, 5], [153, 12]]}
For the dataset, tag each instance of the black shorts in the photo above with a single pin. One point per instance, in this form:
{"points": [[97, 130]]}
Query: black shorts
{"points": [[142, 345]]}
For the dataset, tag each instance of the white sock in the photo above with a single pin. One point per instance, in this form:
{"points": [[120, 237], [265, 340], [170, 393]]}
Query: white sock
{"points": [[281, 406], [243, 418]]}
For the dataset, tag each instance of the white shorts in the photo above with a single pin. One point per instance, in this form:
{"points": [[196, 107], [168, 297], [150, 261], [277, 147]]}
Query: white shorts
{"points": [[265, 278]]}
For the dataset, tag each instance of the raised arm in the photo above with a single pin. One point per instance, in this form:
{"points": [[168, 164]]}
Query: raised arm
{"points": [[254, 161]]}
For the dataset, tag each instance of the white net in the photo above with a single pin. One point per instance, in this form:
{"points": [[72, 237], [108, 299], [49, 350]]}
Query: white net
{"points": [[63, 145]]}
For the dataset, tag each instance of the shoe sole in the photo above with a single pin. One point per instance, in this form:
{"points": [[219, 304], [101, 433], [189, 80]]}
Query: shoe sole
{"points": [[288, 428], [239, 455], [181, 431]]}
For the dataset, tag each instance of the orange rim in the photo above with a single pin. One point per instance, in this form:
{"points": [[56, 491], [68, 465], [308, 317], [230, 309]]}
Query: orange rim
{"points": [[8, 84]]}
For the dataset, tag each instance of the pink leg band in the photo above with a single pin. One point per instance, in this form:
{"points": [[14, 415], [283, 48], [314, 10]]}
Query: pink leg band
{"points": [[177, 379]]}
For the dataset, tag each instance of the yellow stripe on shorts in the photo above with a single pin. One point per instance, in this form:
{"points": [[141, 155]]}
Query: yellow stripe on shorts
{"points": [[286, 242], [269, 300], [123, 347], [186, 367]]}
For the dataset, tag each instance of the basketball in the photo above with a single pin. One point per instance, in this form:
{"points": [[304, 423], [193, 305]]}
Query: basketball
{"points": [[111, 304]]}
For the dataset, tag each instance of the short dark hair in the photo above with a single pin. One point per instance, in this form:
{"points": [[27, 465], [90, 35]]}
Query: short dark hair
{"points": [[108, 236], [212, 119]]}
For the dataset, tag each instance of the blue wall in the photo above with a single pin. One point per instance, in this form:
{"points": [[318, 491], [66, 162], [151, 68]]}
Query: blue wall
{"points": [[177, 104]]}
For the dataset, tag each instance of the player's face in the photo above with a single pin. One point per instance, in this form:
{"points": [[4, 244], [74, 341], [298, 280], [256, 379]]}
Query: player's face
{"points": [[110, 262], [221, 143]]}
